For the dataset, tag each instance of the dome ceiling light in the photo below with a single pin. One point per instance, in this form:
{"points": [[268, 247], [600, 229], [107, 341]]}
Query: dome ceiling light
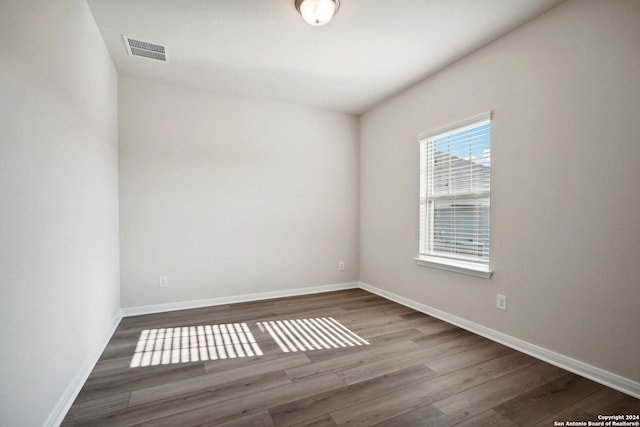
{"points": [[317, 12]]}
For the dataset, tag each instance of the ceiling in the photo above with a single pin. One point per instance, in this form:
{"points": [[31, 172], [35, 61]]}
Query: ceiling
{"points": [[371, 50]]}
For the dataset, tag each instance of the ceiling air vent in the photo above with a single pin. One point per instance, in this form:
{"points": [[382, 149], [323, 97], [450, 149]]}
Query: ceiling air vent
{"points": [[146, 49]]}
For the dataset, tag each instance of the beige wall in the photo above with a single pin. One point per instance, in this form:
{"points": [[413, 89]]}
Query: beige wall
{"points": [[565, 93], [59, 273], [230, 196]]}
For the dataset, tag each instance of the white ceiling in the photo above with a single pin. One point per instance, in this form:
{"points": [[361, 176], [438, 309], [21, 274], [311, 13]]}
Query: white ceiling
{"points": [[371, 50]]}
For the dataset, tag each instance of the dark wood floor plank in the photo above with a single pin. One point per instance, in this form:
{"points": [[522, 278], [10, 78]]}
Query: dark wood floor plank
{"points": [[571, 413], [425, 393], [427, 340], [135, 379], [489, 418], [124, 374], [357, 323], [378, 367], [436, 327], [417, 371], [608, 402], [552, 398], [83, 411], [423, 416], [107, 366], [387, 340], [315, 406], [242, 362], [381, 310], [206, 382], [323, 421], [255, 402], [261, 419], [483, 350], [492, 393], [370, 332], [347, 360], [148, 412]]}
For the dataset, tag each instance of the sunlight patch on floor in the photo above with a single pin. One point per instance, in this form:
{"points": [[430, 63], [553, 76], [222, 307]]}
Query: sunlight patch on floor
{"points": [[165, 346], [310, 334]]}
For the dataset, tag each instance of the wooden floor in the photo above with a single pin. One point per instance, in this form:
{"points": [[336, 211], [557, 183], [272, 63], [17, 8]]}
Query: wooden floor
{"points": [[417, 371]]}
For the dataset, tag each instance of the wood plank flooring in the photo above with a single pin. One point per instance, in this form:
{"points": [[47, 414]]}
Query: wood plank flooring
{"points": [[417, 371]]}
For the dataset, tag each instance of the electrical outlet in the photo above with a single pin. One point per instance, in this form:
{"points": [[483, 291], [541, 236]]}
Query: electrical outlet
{"points": [[341, 265], [163, 282], [501, 302]]}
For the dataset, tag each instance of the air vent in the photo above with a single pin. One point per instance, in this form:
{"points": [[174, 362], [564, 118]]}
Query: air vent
{"points": [[146, 49]]}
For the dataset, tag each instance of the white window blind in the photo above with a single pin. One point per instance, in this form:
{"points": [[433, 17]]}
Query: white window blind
{"points": [[455, 186]]}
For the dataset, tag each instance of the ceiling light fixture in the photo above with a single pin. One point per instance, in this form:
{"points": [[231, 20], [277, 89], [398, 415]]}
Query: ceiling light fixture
{"points": [[317, 12]]}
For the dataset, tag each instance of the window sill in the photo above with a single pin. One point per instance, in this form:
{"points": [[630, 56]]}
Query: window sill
{"points": [[464, 267]]}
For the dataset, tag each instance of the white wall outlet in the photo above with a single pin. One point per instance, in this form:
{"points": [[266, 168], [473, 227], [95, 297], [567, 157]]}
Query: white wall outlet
{"points": [[341, 265], [501, 302], [163, 282]]}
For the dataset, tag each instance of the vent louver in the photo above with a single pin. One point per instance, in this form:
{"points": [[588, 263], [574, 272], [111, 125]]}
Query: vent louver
{"points": [[146, 49]]}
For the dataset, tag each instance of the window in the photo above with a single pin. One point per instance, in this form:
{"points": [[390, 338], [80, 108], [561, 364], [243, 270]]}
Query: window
{"points": [[455, 186]]}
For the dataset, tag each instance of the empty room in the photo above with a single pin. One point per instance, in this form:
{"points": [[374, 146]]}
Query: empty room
{"points": [[319, 213]]}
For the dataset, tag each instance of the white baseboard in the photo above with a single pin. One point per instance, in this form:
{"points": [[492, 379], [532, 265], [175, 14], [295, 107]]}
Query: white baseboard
{"points": [[601, 376], [208, 302], [73, 389]]}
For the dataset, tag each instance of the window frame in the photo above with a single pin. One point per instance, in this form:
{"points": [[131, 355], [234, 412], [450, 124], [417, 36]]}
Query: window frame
{"points": [[450, 262]]}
